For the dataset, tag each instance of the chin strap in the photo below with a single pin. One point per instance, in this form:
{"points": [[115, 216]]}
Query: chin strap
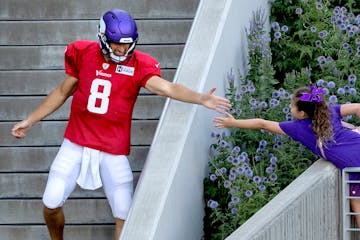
{"points": [[106, 49], [117, 58]]}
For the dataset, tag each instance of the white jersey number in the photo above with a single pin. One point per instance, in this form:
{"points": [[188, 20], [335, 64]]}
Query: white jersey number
{"points": [[98, 101]]}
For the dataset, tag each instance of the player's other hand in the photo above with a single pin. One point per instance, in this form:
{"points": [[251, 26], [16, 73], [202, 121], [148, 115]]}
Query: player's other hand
{"points": [[19, 130]]}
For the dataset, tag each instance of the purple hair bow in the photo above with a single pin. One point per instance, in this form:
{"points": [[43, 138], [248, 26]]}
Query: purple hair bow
{"points": [[314, 96]]}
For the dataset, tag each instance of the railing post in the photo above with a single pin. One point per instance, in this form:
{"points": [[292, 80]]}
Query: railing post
{"points": [[348, 225]]}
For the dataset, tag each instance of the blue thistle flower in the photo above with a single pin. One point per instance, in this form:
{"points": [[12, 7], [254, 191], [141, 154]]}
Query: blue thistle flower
{"points": [[273, 160], [234, 211], [213, 134], [235, 150], [320, 83], [298, 11], [269, 170], [238, 111], [212, 204], [253, 102], [249, 173], [275, 94], [333, 99], [227, 184], [235, 200], [352, 91], [331, 84], [321, 60], [235, 161], [277, 35], [274, 103], [345, 45], [263, 104], [284, 28], [238, 96], [262, 187], [241, 158], [223, 143], [343, 9], [230, 159], [326, 91], [286, 110], [273, 177], [213, 177], [248, 193], [244, 154], [263, 143], [251, 88], [257, 179], [234, 189], [232, 177], [275, 26], [289, 117], [352, 79], [329, 59], [323, 34], [240, 170], [341, 91], [264, 180]]}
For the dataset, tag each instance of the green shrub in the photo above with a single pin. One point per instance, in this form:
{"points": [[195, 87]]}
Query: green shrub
{"points": [[309, 42]]}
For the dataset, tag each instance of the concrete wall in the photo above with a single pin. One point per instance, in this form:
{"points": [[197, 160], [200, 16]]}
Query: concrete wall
{"points": [[168, 202], [309, 208]]}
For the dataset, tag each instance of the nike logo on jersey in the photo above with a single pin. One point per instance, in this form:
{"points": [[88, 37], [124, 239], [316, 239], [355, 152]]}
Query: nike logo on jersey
{"points": [[157, 65], [121, 69]]}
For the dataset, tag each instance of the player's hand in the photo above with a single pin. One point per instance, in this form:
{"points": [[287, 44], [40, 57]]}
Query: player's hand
{"points": [[19, 130], [214, 102], [221, 122]]}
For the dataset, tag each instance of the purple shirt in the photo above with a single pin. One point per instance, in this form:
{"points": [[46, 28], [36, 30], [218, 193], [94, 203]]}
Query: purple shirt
{"points": [[343, 152]]}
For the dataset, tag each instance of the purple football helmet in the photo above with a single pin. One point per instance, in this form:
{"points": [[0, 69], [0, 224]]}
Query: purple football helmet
{"points": [[117, 26]]}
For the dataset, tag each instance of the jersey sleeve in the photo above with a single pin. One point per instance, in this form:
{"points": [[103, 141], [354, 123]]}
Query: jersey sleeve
{"points": [[151, 67], [291, 129], [301, 131], [71, 56]]}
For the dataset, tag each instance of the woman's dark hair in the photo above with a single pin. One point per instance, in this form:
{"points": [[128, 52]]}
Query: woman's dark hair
{"points": [[319, 113]]}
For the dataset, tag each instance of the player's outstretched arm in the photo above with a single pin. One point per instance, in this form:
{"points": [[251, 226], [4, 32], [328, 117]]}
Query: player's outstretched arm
{"points": [[179, 92], [51, 103]]}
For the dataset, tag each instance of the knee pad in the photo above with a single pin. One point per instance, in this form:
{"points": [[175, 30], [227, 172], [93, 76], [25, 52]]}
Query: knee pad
{"points": [[121, 201], [54, 195]]}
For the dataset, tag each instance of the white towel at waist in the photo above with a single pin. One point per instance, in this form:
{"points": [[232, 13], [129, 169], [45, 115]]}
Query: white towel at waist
{"points": [[89, 177]]}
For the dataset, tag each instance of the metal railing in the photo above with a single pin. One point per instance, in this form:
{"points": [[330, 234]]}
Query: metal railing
{"points": [[350, 230]]}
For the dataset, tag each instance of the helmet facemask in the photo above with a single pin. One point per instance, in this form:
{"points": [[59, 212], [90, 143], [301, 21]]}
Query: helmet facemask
{"points": [[119, 27]]}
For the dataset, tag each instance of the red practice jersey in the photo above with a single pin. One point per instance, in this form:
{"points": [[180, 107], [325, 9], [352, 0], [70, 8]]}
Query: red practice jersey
{"points": [[102, 105]]}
